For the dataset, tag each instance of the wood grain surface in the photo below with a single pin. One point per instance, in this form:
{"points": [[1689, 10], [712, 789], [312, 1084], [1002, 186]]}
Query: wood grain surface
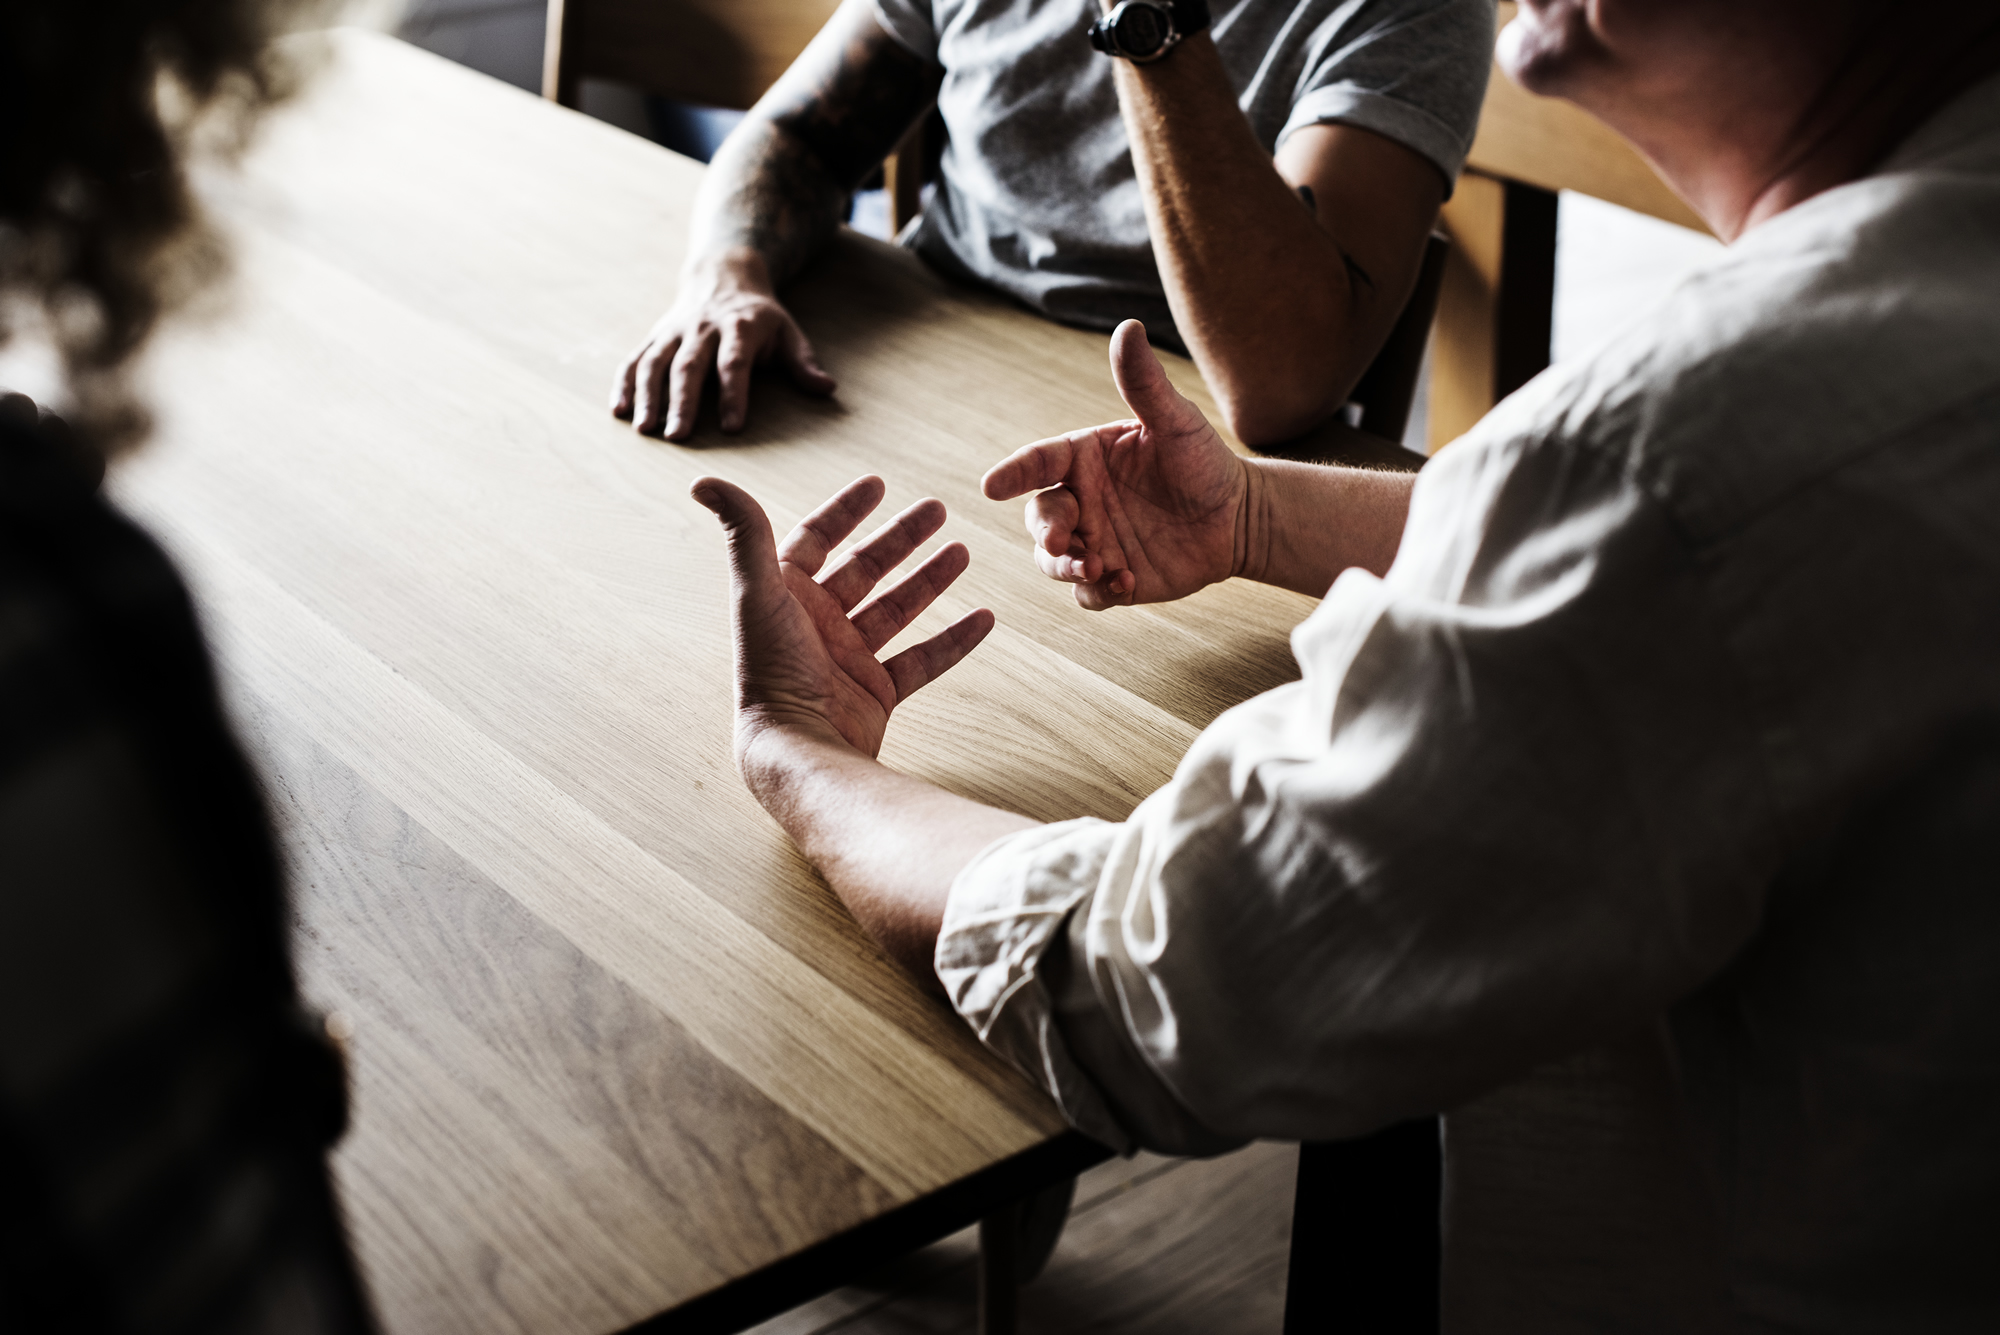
{"points": [[615, 1044]]}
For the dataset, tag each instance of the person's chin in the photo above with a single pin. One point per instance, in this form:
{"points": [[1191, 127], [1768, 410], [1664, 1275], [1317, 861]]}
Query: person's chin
{"points": [[1540, 49]]}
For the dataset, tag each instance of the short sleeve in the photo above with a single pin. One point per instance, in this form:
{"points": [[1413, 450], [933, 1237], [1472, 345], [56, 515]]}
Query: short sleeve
{"points": [[1412, 72], [1513, 804], [912, 24]]}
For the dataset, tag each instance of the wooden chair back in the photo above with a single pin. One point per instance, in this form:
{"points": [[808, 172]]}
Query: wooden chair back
{"points": [[1388, 388], [716, 53], [1495, 309]]}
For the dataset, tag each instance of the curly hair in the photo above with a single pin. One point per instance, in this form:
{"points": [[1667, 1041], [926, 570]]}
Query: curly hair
{"points": [[102, 106]]}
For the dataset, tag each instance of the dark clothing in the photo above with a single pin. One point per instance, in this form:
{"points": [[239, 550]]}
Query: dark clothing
{"points": [[165, 1104]]}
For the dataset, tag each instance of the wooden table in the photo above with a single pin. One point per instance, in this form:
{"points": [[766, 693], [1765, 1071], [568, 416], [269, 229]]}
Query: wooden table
{"points": [[617, 1051]]}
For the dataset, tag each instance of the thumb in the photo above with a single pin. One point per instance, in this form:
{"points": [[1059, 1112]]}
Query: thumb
{"points": [[753, 550], [797, 352], [1142, 381]]}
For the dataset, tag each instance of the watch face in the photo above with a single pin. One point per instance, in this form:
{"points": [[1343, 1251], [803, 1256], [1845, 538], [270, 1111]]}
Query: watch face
{"points": [[1142, 29]]}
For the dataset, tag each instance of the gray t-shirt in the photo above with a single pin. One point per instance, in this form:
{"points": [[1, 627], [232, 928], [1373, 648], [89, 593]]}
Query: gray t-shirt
{"points": [[1039, 197]]}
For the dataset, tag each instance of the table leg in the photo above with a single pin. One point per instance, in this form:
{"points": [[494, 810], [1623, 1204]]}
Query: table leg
{"points": [[999, 1280], [1365, 1235], [1015, 1242]]}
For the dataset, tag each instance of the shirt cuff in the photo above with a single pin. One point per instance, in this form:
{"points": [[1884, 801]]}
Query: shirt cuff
{"points": [[911, 26], [1006, 908], [1390, 117]]}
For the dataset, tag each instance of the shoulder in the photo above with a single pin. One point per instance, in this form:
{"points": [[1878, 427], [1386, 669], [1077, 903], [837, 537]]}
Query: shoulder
{"points": [[1414, 71], [1461, 28], [1829, 333]]}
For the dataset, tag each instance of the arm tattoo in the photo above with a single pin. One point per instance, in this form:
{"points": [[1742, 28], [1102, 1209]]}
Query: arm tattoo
{"points": [[1357, 277], [793, 162]]}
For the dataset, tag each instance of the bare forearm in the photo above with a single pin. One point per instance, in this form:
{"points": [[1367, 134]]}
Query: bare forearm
{"points": [[1305, 523], [779, 185], [1260, 291], [889, 845], [766, 194]]}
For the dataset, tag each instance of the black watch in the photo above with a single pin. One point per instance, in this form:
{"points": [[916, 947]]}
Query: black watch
{"points": [[1144, 30]]}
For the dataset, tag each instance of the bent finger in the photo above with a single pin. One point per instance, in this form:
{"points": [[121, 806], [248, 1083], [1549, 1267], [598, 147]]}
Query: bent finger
{"points": [[904, 601], [624, 386], [796, 351], [649, 407], [733, 358], [1051, 517], [887, 547], [808, 545], [1073, 567], [684, 382], [1114, 590], [921, 664]]}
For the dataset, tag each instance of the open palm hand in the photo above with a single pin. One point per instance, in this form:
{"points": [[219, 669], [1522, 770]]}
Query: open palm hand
{"points": [[805, 641]]}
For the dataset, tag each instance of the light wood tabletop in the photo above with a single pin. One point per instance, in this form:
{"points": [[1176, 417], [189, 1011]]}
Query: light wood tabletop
{"points": [[617, 1051]]}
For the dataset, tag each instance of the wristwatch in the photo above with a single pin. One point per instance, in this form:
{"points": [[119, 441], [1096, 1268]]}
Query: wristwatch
{"points": [[1144, 30]]}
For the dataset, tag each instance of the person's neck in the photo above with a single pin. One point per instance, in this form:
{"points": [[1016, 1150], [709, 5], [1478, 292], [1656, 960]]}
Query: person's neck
{"points": [[1902, 68]]}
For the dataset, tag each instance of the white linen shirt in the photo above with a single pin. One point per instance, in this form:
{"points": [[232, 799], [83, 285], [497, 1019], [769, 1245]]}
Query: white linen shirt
{"points": [[1682, 697]]}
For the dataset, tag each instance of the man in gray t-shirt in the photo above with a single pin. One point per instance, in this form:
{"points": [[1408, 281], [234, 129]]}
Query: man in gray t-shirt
{"points": [[1258, 193]]}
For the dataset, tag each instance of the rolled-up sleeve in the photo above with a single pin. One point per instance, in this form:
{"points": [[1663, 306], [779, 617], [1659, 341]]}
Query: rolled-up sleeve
{"points": [[1410, 71], [1514, 802], [912, 24]]}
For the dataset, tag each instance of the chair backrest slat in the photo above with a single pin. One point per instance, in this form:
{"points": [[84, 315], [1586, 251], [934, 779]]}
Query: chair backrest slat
{"points": [[718, 53]]}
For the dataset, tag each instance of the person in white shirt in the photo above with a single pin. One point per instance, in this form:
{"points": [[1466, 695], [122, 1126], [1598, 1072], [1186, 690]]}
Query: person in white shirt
{"points": [[1669, 696]]}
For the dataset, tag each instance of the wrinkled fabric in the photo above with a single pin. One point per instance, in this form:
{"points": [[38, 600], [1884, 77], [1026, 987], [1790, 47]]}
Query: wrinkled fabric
{"points": [[1681, 700], [1038, 195]]}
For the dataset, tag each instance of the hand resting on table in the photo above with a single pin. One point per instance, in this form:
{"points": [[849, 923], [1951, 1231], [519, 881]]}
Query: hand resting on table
{"points": [[727, 320]]}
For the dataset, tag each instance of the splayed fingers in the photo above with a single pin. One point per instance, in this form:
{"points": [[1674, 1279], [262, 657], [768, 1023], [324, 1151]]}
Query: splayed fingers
{"points": [[887, 547], [808, 545], [885, 616], [921, 664], [800, 655]]}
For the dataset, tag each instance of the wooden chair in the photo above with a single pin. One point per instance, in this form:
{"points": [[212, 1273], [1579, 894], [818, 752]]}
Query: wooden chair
{"points": [[1495, 311], [1388, 388], [717, 53]]}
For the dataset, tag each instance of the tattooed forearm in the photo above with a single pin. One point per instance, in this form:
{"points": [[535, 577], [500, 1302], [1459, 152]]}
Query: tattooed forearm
{"points": [[779, 200], [780, 184], [1360, 286]]}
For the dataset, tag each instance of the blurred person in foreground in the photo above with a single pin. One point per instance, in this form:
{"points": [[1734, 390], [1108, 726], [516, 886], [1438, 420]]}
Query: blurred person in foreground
{"points": [[165, 1102], [1665, 702], [1254, 179]]}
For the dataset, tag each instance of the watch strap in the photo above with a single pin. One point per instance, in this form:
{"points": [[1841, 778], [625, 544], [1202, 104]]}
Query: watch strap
{"points": [[1190, 16]]}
